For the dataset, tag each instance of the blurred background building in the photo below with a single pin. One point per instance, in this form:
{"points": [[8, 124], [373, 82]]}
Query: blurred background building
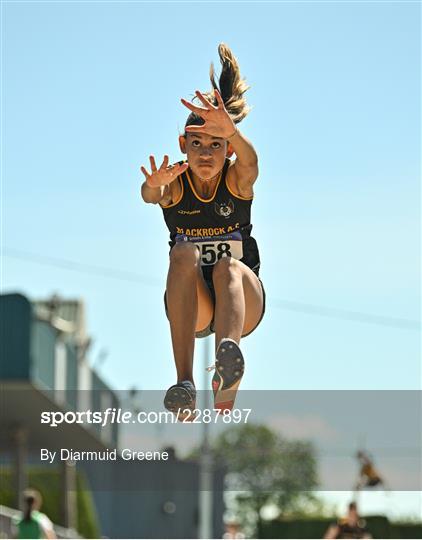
{"points": [[44, 367]]}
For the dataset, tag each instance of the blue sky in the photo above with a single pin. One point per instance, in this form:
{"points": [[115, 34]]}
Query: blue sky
{"points": [[90, 89]]}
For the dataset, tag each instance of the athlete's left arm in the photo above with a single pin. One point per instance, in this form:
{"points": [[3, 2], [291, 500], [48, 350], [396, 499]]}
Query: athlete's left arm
{"points": [[245, 167]]}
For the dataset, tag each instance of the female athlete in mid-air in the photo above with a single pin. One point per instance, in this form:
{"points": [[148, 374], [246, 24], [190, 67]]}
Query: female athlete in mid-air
{"points": [[212, 282]]}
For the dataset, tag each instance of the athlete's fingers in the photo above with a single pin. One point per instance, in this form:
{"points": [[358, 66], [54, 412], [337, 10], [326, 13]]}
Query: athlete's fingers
{"points": [[204, 100], [165, 163], [183, 167], [172, 171], [146, 173], [177, 169], [195, 129], [153, 165], [198, 110]]}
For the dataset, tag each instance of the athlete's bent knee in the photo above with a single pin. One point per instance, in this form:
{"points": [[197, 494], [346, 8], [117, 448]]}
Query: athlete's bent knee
{"points": [[226, 269], [184, 254]]}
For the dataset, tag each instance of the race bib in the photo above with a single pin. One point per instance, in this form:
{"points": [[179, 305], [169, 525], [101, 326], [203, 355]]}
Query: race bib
{"points": [[213, 248]]}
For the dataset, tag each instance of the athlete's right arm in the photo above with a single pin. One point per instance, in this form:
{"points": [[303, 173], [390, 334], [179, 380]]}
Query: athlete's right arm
{"points": [[155, 189]]}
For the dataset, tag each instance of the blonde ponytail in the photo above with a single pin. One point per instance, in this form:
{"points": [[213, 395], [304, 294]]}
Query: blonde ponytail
{"points": [[230, 85]]}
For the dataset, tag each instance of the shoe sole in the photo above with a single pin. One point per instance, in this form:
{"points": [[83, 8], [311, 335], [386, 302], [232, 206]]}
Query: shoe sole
{"points": [[179, 398], [229, 370]]}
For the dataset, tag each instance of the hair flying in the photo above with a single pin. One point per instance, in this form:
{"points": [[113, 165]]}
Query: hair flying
{"points": [[230, 85]]}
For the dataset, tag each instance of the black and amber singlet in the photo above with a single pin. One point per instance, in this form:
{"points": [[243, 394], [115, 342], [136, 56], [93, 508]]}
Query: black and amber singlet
{"points": [[220, 226], [345, 530]]}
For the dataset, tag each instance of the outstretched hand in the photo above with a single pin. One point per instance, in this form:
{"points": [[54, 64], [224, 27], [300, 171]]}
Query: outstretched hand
{"points": [[217, 120], [165, 174]]}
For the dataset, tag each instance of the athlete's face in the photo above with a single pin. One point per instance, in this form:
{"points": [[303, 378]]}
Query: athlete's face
{"points": [[205, 154]]}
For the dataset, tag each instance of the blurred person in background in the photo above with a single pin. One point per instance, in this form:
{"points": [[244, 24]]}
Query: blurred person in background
{"points": [[368, 475], [351, 526], [33, 524], [233, 531]]}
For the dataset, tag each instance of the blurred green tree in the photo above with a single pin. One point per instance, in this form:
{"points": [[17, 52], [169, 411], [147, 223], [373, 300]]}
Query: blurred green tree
{"points": [[265, 470]]}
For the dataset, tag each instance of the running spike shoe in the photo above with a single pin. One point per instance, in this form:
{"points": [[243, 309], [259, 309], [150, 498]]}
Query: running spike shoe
{"points": [[229, 368], [179, 398]]}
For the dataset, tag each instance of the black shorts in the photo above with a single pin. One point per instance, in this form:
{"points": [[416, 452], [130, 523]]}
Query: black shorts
{"points": [[372, 482], [207, 273]]}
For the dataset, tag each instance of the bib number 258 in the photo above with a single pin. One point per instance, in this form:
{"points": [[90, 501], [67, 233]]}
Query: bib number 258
{"points": [[211, 253]]}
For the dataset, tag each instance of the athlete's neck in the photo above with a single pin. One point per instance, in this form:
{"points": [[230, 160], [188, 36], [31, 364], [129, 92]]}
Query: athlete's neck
{"points": [[205, 187]]}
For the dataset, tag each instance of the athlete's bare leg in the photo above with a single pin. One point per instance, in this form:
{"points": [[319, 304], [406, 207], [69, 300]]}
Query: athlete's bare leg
{"points": [[189, 305], [239, 299]]}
